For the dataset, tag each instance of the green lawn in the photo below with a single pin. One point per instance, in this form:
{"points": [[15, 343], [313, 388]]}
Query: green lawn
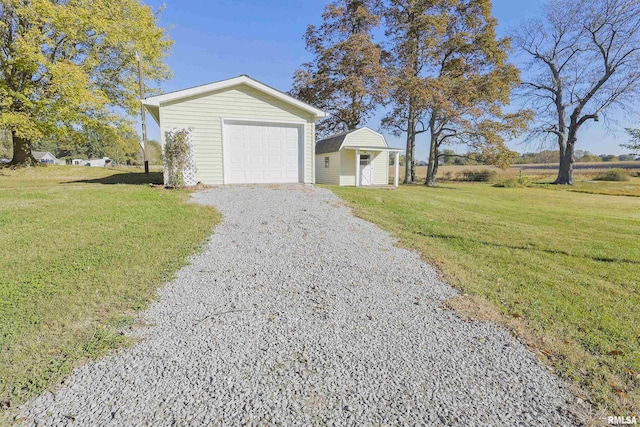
{"points": [[564, 264], [82, 250]]}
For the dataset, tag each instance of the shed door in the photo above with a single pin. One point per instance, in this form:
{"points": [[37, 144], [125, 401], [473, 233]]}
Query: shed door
{"points": [[366, 170], [262, 153]]}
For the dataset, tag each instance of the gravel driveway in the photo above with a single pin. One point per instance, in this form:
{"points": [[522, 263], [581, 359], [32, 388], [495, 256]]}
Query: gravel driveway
{"points": [[297, 313]]}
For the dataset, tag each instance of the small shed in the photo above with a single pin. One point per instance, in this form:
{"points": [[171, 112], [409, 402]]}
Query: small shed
{"points": [[45, 157], [358, 158]]}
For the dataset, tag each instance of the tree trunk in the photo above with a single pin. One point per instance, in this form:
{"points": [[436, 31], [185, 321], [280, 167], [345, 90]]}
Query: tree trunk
{"points": [[409, 161], [565, 172], [22, 152], [432, 169]]}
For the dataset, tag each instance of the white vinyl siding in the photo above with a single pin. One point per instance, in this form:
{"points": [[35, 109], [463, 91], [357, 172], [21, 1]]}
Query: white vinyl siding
{"points": [[348, 167], [330, 175], [204, 115], [381, 168], [364, 137]]}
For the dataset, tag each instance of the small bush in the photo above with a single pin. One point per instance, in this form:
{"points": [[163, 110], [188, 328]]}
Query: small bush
{"points": [[613, 175], [448, 176], [484, 175], [520, 182]]}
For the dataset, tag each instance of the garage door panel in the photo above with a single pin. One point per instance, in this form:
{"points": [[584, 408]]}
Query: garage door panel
{"points": [[255, 143], [236, 142], [275, 144], [255, 160], [291, 160], [263, 153]]}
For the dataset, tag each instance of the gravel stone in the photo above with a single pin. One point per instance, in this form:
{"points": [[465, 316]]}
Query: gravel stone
{"points": [[298, 313]]}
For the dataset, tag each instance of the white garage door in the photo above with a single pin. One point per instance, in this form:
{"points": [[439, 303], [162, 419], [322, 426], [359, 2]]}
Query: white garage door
{"points": [[262, 153]]}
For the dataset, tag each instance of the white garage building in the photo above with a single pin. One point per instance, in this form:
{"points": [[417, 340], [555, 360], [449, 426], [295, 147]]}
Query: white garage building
{"points": [[243, 131]]}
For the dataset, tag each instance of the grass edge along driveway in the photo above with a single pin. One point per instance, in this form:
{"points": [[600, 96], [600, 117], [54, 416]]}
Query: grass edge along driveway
{"points": [[82, 251], [564, 265]]}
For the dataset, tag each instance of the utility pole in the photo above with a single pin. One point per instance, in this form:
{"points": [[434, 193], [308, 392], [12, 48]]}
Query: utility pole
{"points": [[143, 116]]}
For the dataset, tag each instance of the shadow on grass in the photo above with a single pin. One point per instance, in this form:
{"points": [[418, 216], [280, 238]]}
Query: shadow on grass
{"points": [[133, 178], [526, 248]]}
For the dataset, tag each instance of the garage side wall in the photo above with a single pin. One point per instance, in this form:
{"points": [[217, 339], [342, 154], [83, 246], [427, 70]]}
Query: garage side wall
{"points": [[330, 175], [204, 115]]}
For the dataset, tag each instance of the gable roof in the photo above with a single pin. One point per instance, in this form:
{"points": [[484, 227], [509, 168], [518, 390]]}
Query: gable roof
{"points": [[38, 155], [156, 101], [335, 142]]}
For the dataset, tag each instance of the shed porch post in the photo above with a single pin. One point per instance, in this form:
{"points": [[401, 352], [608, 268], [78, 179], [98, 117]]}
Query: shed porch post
{"points": [[397, 169], [357, 167]]}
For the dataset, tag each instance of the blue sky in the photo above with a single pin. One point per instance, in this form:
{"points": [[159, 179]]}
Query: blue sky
{"points": [[219, 39]]}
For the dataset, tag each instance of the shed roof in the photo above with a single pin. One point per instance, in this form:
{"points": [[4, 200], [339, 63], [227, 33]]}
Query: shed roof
{"points": [[333, 143], [153, 103]]}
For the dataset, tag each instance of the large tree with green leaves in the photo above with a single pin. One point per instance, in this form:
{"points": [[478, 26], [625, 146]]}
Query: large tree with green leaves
{"points": [[69, 65], [468, 81], [584, 64], [410, 29], [345, 77], [450, 78]]}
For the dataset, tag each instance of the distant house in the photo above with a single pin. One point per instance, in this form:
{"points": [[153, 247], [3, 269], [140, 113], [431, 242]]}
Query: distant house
{"points": [[99, 163], [80, 162], [359, 157], [45, 157]]}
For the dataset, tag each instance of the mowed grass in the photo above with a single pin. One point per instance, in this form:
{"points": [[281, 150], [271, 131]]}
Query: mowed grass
{"points": [[81, 251], [563, 265]]}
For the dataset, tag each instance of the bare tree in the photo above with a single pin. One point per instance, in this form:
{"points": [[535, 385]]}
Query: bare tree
{"points": [[584, 64]]}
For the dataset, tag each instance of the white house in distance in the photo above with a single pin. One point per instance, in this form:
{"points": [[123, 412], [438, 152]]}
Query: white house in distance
{"points": [[45, 157], [359, 158], [243, 131], [99, 163]]}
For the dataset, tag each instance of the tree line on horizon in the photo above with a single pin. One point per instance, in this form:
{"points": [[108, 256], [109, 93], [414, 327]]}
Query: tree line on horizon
{"points": [[441, 70], [450, 157]]}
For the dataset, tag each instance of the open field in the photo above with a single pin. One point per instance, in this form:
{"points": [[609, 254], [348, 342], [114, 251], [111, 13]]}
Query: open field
{"points": [[561, 268], [541, 175], [541, 172], [82, 250]]}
